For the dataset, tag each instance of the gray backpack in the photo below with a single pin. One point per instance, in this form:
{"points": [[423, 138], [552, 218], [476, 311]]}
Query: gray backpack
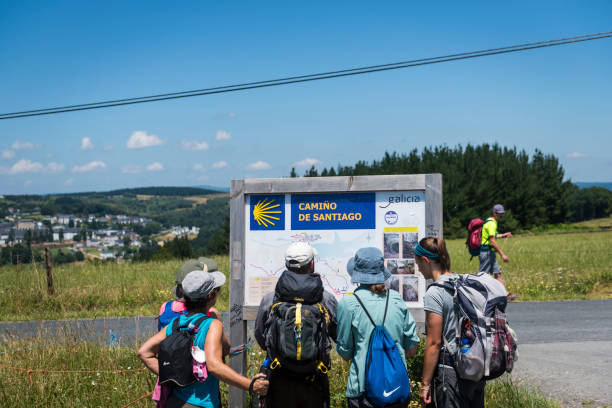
{"points": [[486, 345]]}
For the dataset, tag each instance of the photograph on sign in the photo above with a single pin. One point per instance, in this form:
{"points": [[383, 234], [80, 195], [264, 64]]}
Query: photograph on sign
{"points": [[336, 225]]}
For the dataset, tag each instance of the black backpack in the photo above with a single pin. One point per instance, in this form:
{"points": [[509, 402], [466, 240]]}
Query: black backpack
{"points": [[174, 357], [296, 329]]}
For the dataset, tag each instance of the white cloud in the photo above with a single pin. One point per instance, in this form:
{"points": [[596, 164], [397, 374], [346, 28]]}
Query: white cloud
{"points": [[307, 162], [17, 145], [577, 155], [155, 166], [223, 135], [25, 166], [69, 181], [86, 144], [91, 166], [228, 115], [54, 167], [197, 167], [219, 165], [130, 169], [28, 166], [140, 139], [194, 145], [259, 165], [8, 154]]}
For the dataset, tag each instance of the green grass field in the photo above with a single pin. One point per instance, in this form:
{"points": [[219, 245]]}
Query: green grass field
{"points": [[550, 266], [91, 289], [97, 388], [561, 266]]}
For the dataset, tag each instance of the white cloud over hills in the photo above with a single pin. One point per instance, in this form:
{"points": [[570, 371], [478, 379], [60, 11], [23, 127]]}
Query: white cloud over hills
{"points": [[91, 166], [155, 166], [29, 166], [17, 145], [194, 145], [307, 162], [259, 165], [141, 139]]}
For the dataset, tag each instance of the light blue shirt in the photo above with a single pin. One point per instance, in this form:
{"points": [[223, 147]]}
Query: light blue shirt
{"points": [[201, 394], [355, 330]]}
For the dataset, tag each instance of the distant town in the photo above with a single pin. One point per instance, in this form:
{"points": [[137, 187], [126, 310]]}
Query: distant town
{"points": [[108, 237]]}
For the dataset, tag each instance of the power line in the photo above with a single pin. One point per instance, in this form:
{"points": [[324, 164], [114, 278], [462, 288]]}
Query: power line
{"points": [[310, 77]]}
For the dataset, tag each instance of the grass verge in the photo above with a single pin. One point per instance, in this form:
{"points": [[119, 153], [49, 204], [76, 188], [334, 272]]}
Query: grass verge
{"points": [[97, 388]]}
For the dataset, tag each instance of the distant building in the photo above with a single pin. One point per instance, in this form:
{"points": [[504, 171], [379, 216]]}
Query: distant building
{"points": [[25, 225]]}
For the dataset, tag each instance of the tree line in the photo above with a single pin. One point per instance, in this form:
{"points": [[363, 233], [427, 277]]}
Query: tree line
{"points": [[532, 188]]}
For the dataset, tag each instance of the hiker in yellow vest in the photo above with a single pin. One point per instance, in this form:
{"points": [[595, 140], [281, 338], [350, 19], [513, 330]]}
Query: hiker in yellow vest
{"points": [[489, 246]]}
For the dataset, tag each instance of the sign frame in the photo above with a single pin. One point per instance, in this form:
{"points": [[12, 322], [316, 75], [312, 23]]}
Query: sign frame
{"points": [[430, 184]]}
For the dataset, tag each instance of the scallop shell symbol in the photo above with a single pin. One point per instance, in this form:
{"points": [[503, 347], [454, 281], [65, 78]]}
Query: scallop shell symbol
{"points": [[263, 210]]}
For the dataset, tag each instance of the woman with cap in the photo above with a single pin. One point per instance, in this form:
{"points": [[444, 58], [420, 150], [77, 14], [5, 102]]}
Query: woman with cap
{"points": [[367, 269], [440, 383], [200, 291], [173, 308]]}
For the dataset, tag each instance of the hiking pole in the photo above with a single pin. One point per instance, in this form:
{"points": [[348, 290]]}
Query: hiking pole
{"points": [[265, 369]]}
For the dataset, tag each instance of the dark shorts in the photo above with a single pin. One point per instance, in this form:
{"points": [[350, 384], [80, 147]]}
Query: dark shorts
{"points": [[175, 402], [362, 402], [287, 391], [488, 262], [450, 391]]}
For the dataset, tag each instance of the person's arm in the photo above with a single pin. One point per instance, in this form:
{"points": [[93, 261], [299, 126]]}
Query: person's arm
{"points": [[433, 323], [148, 351], [214, 313], [504, 235], [410, 339], [331, 304], [262, 318], [223, 372], [494, 244], [345, 342]]}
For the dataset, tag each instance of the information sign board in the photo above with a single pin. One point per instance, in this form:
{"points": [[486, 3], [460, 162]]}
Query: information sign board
{"points": [[336, 225]]}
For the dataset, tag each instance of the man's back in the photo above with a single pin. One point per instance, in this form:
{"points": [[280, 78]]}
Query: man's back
{"points": [[289, 389]]}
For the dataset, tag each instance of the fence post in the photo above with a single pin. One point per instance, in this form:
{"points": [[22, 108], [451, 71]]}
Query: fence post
{"points": [[50, 288]]}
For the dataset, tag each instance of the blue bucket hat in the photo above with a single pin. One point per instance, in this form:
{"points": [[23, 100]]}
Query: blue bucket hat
{"points": [[368, 267]]}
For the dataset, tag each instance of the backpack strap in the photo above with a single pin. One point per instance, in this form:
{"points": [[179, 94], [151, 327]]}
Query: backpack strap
{"points": [[364, 309], [176, 326], [386, 307], [368, 314], [200, 321]]}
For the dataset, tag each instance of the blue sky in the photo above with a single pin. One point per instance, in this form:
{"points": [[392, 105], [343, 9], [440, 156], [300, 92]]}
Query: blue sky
{"points": [[67, 52]]}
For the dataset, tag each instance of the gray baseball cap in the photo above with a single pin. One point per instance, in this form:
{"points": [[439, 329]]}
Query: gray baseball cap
{"points": [[199, 284], [201, 264], [498, 208]]}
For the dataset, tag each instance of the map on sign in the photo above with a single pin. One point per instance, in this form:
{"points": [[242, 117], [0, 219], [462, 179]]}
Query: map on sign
{"points": [[336, 225]]}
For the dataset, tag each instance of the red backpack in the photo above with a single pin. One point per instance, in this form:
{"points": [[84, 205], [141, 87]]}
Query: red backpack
{"points": [[474, 239]]}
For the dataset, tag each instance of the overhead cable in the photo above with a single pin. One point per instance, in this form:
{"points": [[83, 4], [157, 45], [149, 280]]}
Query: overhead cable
{"points": [[308, 78]]}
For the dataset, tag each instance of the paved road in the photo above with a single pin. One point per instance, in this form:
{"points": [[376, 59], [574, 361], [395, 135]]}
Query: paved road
{"points": [[565, 348]]}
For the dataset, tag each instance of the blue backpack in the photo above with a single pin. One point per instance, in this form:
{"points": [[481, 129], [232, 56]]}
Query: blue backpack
{"points": [[386, 380]]}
